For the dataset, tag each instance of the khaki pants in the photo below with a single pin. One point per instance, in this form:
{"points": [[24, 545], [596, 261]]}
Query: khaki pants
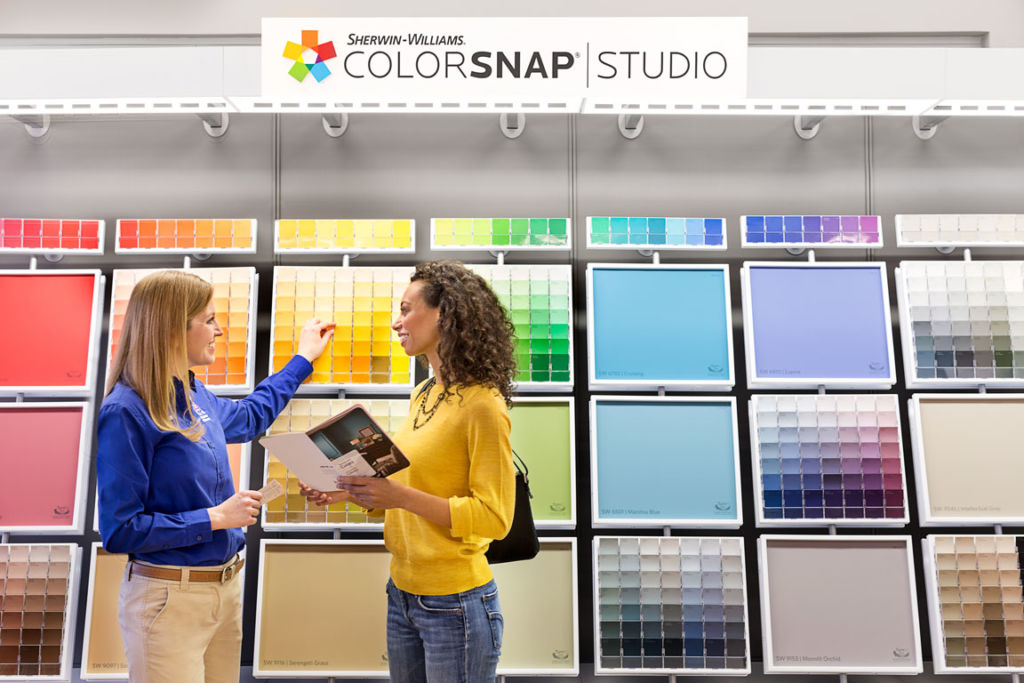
{"points": [[181, 632]]}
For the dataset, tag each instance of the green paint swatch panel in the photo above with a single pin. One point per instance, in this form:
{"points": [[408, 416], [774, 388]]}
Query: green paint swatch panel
{"points": [[500, 232], [542, 437]]}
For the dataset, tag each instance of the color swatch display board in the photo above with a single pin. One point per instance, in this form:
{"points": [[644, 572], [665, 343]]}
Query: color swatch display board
{"points": [[814, 324], [539, 304], [852, 232], [838, 604], [51, 236], [234, 298], [543, 435], [45, 461], [292, 512], [55, 315], [345, 236], [670, 605], [345, 637], [960, 230], [652, 326], [500, 234], [967, 458], [186, 235], [648, 232], [974, 603], [664, 462], [828, 460], [364, 353], [38, 602], [962, 323], [103, 656]]}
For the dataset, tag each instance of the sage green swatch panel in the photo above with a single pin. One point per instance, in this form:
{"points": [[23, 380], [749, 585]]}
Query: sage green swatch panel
{"points": [[541, 436]]}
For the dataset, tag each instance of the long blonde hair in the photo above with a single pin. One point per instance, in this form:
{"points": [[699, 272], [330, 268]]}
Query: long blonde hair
{"points": [[152, 350]]}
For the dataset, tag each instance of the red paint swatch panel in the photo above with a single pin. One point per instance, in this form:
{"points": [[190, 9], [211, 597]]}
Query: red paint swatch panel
{"points": [[40, 462], [46, 332], [45, 234]]}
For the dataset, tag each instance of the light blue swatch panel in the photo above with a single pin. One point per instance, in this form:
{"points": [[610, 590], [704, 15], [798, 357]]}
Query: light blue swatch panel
{"points": [[819, 322], [665, 461], [660, 325]]}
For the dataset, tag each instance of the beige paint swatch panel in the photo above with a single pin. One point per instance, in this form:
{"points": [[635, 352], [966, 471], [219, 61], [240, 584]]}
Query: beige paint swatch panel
{"points": [[106, 649], [840, 604], [972, 451]]}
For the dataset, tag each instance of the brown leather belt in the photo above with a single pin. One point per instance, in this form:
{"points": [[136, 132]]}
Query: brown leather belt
{"points": [[219, 575]]}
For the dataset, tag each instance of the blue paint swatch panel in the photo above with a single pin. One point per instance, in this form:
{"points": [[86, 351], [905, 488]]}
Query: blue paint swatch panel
{"points": [[665, 460], [661, 325], [644, 231], [819, 323], [812, 230]]}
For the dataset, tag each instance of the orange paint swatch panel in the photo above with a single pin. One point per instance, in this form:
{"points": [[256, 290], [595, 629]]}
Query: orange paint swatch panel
{"points": [[234, 297], [184, 235]]}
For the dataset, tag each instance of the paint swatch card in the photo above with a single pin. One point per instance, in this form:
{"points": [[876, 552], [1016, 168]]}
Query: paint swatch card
{"points": [[659, 325], [44, 463], [812, 231], [814, 324], [345, 235], [967, 458], [102, 647], [38, 600], [975, 604], [670, 605], [665, 462], [500, 233], [362, 302], [838, 604], [186, 235], [539, 305], [543, 436], [828, 460], [962, 322], [292, 511], [960, 230], [234, 299], [648, 232], [55, 316], [51, 235]]}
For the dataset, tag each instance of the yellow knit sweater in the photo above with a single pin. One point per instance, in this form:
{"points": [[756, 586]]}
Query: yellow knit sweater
{"points": [[462, 453]]}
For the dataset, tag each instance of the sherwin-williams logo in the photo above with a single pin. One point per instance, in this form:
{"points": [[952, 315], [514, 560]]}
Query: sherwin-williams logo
{"points": [[557, 507], [560, 655], [61, 511], [901, 653], [310, 57], [723, 506]]}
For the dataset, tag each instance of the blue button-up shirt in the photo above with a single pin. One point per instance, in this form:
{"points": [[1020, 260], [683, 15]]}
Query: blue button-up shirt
{"points": [[154, 486]]}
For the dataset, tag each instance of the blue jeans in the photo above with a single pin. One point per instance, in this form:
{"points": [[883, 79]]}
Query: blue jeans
{"points": [[444, 638]]}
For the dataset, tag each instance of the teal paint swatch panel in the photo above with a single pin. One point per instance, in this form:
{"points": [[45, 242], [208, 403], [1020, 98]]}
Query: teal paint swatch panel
{"points": [[660, 325], [664, 460]]}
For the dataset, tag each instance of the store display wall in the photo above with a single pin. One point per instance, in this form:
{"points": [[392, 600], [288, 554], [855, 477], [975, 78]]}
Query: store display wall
{"points": [[420, 168]]}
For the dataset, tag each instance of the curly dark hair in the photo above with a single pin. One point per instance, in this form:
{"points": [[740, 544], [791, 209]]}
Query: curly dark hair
{"points": [[477, 339]]}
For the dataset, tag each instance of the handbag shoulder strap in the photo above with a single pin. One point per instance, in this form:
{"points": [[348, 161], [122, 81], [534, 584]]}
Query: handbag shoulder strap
{"points": [[524, 470]]}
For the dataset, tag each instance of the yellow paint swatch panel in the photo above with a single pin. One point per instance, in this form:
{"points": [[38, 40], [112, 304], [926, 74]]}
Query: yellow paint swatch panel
{"points": [[363, 302], [185, 235], [103, 650], [346, 235], [353, 574], [234, 297], [292, 510]]}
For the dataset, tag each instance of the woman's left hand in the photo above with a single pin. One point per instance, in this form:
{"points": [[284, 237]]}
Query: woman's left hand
{"points": [[374, 492]]}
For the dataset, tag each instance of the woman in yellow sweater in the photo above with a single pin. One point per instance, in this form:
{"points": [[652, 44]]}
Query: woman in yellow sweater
{"points": [[444, 618]]}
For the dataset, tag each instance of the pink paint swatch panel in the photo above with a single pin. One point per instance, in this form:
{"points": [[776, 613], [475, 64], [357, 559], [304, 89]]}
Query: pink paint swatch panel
{"points": [[40, 462], [47, 325]]}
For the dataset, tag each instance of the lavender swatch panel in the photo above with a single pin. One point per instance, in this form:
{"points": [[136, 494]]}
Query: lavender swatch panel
{"points": [[824, 322]]}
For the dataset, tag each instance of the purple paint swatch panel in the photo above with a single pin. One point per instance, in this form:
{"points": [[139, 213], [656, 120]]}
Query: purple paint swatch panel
{"points": [[822, 322]]}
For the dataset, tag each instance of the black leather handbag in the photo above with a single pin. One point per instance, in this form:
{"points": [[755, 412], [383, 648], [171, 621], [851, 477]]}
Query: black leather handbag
{"points": [[521, 542]]}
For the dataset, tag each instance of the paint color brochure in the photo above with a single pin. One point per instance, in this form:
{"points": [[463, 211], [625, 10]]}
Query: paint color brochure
{"points": [[51, 236], [962, 323], [670, 606], [103, 656], [345, 236], [967, 458], [960, 230], [485, 234], [839, 604], [650, 232], [349, 443], [828, 460], [665, 461], [815, 324], [186, 235], [815, 232], [974, 602]]}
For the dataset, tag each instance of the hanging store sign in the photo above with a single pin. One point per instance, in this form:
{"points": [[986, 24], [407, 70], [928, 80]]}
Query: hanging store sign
{"points": [[541, 60]]}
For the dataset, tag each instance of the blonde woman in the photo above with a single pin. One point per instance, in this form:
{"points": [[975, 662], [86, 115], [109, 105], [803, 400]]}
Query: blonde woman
{"points": [[166, 496]]}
